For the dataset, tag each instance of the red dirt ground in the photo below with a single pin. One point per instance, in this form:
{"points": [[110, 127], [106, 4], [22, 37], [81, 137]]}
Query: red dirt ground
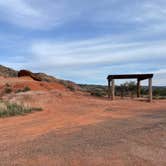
{"points": [[76, 129], [19, 83]]}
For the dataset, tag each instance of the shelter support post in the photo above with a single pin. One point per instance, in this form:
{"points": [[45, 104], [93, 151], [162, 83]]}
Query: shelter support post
{"points": [[109, 89], [113, 89], [138, 88], [150, 90]]}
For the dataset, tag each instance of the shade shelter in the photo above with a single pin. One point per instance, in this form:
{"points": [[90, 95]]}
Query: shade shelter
{"points": [[139, 77]]}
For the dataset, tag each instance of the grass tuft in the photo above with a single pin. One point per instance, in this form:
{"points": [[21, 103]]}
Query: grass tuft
{"points": [[12, 109]]}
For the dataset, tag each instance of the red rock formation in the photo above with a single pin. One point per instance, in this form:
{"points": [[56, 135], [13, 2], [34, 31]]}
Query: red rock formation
{"points": [[23, 73]]}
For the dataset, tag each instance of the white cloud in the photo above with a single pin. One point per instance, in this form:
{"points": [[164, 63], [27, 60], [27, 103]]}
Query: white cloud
{"points": [[94, 59], [52, 53], [18, 12], [45, 14], [34, 14], [19, 7]]}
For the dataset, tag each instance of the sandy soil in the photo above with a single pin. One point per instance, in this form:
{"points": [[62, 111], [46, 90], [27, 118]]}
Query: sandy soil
{"points": [[75, 129]]}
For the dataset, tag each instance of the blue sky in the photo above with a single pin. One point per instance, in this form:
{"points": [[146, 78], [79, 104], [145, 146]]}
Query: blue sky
{"points": [[84, 41]]}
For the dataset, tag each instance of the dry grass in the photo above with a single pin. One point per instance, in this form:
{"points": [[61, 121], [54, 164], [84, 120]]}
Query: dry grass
{"points": [[12, 109]]}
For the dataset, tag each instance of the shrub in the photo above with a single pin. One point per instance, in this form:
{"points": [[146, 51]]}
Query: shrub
{"points": [[67, 84], [71, 87], [128, 89], [8, 90], [13, 109], [94, 90], [26, 89], [7, 85], [36, 109], [19, 90], [97, 93]]}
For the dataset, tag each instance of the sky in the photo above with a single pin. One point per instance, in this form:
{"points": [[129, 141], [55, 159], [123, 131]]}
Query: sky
{"points": [[85, 40]]}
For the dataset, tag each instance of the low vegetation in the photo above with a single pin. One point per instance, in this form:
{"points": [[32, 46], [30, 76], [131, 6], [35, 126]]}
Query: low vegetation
{"points": [[128, 89], [94, 90], [68, 84], [70, 87], [8, 88], [25, 89], [12, 109]]}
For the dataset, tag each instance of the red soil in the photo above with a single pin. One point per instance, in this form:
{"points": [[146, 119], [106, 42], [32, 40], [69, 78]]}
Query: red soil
{"points": [[20, 83], [64, 114]]}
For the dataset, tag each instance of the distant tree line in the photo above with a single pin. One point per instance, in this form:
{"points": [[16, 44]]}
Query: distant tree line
{"points": [[126, 89]]}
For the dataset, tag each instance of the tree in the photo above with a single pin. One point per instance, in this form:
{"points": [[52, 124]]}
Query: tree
{"points": [[128, 88]]}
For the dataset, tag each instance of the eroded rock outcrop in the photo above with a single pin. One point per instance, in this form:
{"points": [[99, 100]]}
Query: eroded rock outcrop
{"points": [[24, 73]]}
